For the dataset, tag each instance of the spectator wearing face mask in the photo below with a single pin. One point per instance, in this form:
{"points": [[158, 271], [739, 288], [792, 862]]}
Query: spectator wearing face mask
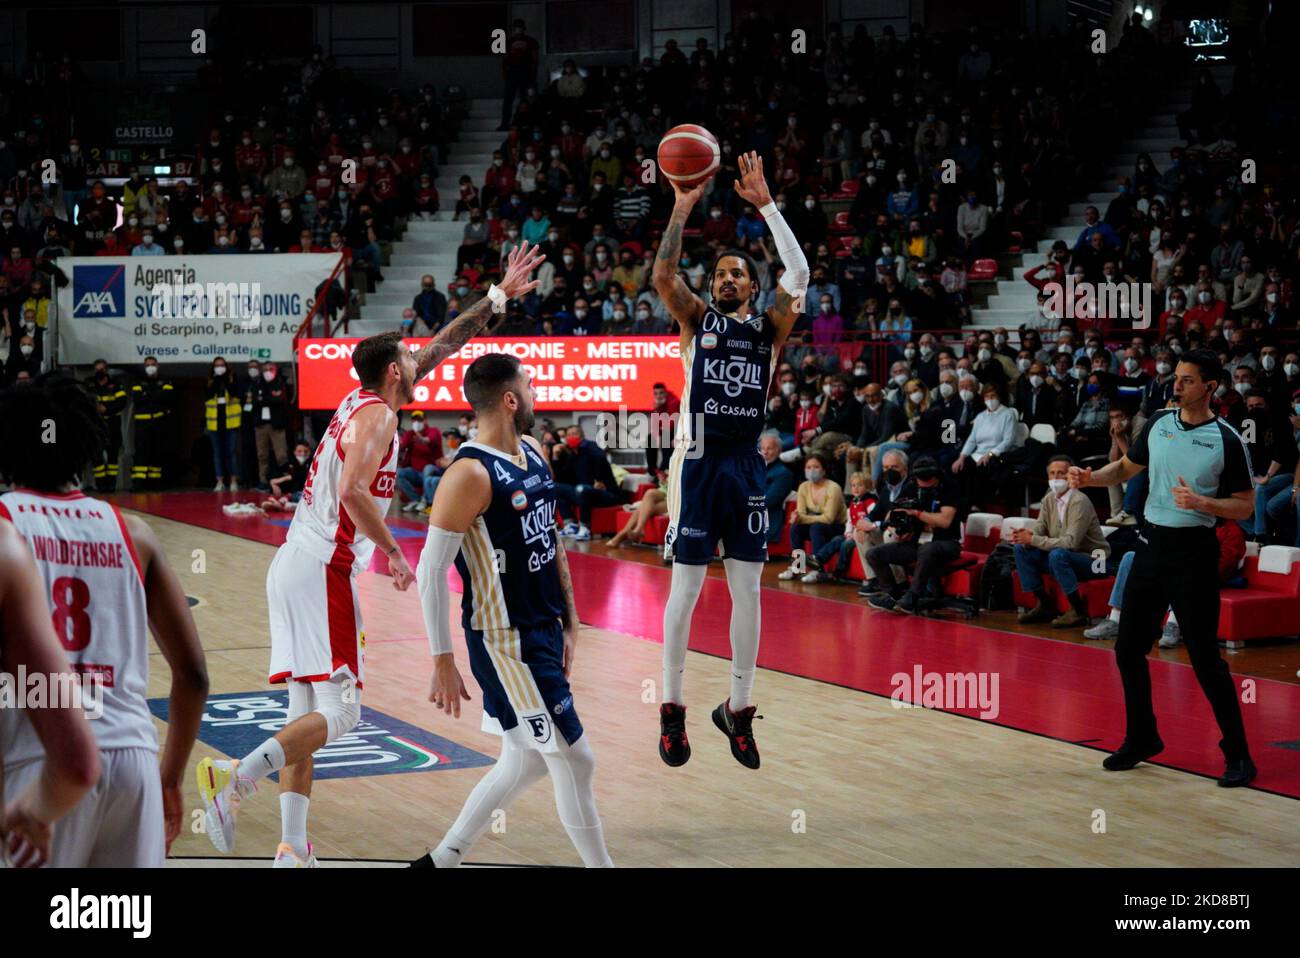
{"points": [[584, 480], [1066, 541], [222, 417], [992, 435], [23, 361], [288, 180], [430, 304], [110, 401], [1126, 502], [1247, 287], [881, 422], [1089, 431], [780, 419], [152, 401], [972, 224], [818, 517], [1035, 399], [1272, 446], [475, 239], [289, 480], [270, 413], [420, 463]]}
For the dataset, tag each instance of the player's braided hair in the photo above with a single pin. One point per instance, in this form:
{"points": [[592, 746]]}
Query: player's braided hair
{"points": [[50, 432]]}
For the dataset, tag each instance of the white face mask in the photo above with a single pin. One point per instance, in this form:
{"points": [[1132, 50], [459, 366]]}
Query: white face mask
{"points": [[926, 352], [218, 370], [1131, 364], [151, 370], [1242, 388], [993, 404], [418, 425], [787, 388], [1000, 339], [1022, 365], [985, 355], [301, 458], [1036, 380], [946, 390], [967, 395], [805, 403], [1268, 362], [1163, 369], [1059, 486], [1291, 369], [26, 350], [916, 396], [900, 379], [859, 370], [910, 353], [809, 204]]}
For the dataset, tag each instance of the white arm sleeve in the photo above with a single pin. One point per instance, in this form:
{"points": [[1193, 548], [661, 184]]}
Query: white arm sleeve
{"points": [[795, 279], [440, 550]]}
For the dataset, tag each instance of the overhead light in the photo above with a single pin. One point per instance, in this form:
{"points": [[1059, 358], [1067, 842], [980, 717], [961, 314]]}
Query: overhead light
{"points": [[1147, 16]]}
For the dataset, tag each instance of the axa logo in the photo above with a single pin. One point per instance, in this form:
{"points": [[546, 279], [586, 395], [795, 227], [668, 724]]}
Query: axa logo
{"points": [[99, 292], [539, 726], [734, 375]]}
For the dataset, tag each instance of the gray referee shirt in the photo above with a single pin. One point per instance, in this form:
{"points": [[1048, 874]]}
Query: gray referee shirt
{"points": [[1211, 457]]}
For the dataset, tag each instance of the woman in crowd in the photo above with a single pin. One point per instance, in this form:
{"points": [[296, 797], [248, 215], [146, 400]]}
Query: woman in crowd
{"points": [[819, 515], [992, 434], [221, 422]]}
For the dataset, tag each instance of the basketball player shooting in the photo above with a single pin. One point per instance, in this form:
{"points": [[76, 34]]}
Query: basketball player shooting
{"points": [[316, 629], [717, 494], [494, 516]]}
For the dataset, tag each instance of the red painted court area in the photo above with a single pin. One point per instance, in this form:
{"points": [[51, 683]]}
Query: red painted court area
{"points": [[1045, 687]]}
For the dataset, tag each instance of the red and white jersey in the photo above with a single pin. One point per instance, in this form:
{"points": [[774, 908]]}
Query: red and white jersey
{"points": [[321, 526], [95, 587]]}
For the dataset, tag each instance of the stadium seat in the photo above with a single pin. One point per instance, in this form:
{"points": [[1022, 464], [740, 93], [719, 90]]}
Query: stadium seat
{"points": [[983, 532], [1015, 241], [1043, 432], [604, 520], [841, 224], [655, 530], [1269, 605], [848, 190], [844, 242], [983, 269], [1096, 593]]}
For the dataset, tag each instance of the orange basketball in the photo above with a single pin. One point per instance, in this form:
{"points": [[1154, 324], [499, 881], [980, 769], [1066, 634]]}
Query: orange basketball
{"points": [[688, 155]]}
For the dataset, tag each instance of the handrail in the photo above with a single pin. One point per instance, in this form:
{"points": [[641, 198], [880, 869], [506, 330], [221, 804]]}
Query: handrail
{"points": [[304, 328]]}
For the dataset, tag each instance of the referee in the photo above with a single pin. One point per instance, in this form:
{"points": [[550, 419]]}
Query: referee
{"points": [[1199, 473]]}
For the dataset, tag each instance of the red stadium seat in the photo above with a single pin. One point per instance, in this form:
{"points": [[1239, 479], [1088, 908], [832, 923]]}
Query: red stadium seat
{"points": [[655, 530], [841, 224], [604, 520], [983, 269], [1269, 606], [848, 190], [1017, 242], [693, 232], [844, 242]]}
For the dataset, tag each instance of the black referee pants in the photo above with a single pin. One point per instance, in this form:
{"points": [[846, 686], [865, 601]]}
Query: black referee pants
{"points": [[1178, 567]]}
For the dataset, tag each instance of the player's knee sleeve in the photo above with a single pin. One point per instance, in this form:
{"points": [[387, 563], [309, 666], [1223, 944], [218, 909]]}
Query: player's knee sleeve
{"points": [[682, 596], [302, 699], [339, 701]]}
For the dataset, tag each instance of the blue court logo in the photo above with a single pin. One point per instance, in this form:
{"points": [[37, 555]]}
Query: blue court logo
{"points": [[379, 745], [99, 292]]}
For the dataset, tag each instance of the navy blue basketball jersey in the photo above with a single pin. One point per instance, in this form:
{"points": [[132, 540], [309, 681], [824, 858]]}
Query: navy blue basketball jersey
{"points": [[728, 368], [507, 559]]}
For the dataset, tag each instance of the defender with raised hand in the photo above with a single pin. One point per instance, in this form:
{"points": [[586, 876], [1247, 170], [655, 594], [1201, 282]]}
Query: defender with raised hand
{"points": [[716, 478], [316, 631]]}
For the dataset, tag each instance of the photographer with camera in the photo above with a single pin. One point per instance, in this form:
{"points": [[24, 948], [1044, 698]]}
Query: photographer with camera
{"points": [[926, 524]]}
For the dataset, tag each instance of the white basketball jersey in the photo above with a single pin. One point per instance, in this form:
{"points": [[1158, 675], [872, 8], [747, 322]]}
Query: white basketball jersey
{"points": [[321, 526], [94, 585]]}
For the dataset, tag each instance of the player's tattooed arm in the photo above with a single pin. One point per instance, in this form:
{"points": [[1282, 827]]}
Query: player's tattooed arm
{"points": [[784, 312], [453, 336], [683, 305], [520, 264], [570, 617]]}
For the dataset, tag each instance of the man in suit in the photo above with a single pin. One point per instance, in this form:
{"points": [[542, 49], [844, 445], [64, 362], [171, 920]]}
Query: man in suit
{"points": [[1035, 399]]}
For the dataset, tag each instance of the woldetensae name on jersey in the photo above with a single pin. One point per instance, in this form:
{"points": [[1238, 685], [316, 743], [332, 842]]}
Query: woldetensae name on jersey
{"points": [[95, 555], [734, 375], [77, 911]]}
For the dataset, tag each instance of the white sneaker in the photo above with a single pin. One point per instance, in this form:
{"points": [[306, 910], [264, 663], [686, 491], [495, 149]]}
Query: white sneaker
{"points": [[286, 857], [582, 534], [1107, 628], [234, 484], [814, 576], [787, 575], [1170, 636], [219, 487], [570, 530], [1121, 518], [218, 780]]}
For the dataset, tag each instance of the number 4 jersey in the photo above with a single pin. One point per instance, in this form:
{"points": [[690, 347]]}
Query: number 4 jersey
{"points": [[94, 585]]}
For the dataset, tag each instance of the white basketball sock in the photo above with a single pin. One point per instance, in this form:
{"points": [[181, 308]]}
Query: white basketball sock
{"points": [[682, 596], [515, 769], [259, 763], [293, 821], [572, 769], [743, 582]]}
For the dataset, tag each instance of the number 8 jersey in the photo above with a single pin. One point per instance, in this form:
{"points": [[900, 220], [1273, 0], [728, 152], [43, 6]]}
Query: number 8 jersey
{"points": [[94, 585]]}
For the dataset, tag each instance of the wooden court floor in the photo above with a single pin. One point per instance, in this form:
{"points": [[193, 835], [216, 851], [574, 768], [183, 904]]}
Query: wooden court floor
{"points": [[847, 779]]}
